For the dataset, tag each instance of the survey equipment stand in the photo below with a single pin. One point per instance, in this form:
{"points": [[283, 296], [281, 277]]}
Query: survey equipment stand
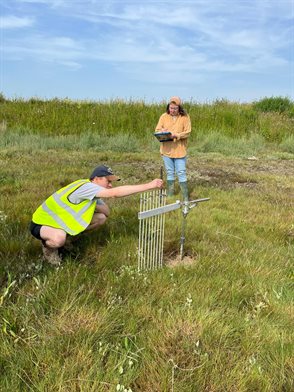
{"points": [[151, 217]]}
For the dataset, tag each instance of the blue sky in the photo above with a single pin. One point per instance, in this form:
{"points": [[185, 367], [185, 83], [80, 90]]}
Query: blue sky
{"points": [[240, 50]]}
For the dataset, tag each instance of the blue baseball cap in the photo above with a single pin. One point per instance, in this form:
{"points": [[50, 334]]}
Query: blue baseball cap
{"points": [[104, 171]]}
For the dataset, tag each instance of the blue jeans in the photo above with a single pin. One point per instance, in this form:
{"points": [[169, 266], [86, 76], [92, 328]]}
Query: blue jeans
{"points": [[173, 165]]}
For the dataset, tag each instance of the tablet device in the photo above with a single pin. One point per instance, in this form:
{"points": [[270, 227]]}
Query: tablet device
{"points": [[163, 136]]}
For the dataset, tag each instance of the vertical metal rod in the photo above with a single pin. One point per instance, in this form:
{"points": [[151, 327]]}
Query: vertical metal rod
{"points": [[161, 202], [148, 232], [159, 197], [153, 232], [162, 230], [183, 237], [140, 237], [141, 233], [159, 233], [147, 239], [152, 236], [157, 252], [145, 231]]}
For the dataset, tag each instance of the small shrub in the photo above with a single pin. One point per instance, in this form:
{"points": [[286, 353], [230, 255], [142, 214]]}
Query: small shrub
{"points": [[274, 104]]}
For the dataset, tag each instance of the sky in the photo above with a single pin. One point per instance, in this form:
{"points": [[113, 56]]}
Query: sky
{"points": [[200, 50]]}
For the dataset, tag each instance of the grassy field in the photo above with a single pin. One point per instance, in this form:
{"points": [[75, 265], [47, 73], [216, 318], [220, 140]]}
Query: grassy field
{"points": [[222, 320]]}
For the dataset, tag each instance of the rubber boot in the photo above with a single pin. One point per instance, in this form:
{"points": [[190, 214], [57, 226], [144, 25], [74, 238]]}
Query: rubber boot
{"points": [[170, 187], [184, 189]]}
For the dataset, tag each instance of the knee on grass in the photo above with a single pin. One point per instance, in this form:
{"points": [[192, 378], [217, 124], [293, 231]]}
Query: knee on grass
{"points": [[56, 241]]}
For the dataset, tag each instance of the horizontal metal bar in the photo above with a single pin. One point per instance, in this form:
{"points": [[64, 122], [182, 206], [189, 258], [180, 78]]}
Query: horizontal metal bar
{"points": [[159, 210], [170, 207], [199, 200]]}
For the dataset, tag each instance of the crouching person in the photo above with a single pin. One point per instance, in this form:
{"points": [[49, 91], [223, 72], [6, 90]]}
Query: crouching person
{"points": [[78, 207]]}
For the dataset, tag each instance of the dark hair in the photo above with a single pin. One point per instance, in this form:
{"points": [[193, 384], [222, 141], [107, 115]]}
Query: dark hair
{"points": [[182, 111]]}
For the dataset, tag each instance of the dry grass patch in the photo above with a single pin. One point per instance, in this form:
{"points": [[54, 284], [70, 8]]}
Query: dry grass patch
{"points": [[77, 320]]}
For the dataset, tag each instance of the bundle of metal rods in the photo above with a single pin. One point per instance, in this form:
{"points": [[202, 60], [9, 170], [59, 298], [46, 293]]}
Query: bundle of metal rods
{"points": [[151, 231]]}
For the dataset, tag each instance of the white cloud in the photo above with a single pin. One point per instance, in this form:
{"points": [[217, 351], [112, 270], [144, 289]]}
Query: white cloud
{"points": [[192, 37], [59, 50], [15, 22], [253, 27]]}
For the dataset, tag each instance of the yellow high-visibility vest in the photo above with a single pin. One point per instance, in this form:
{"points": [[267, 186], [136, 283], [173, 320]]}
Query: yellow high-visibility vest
{"points": [[57, 211]]}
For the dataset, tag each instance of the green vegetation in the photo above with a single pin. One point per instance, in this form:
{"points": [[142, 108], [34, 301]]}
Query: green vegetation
{"points": [[270, 118], [220, 321], [275, 104]]}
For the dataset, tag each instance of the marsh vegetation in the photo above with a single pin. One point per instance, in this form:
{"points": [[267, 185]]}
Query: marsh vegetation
{"points": [[222, 322]]}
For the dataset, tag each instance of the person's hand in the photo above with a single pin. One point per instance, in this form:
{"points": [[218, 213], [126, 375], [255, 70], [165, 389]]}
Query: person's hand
{"points": [[157, 183]]}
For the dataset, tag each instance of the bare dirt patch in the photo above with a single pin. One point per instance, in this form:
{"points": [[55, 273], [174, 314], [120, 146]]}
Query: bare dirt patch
{"points": [[236, 172], [220, 172], [174, 260]]}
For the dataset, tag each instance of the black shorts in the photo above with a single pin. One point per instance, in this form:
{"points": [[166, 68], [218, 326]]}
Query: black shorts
{"points": [[35, 230]]}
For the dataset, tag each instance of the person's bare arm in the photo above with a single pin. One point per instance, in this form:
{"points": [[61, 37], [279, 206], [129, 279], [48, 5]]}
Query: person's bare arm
{"points": [[127, 190]]}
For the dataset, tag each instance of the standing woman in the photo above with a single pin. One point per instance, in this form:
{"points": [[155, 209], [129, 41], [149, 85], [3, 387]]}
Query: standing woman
{"points": [[174, 152]]}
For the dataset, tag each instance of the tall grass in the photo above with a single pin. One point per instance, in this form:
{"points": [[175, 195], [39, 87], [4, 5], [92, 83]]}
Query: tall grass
{"points": [[65, 117]]}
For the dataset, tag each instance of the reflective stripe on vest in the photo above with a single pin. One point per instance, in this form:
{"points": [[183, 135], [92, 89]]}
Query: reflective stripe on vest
{"points": [[57, 211]]}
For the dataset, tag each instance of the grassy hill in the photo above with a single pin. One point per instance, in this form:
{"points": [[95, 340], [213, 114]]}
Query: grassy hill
{"points": [[221, 322]]}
